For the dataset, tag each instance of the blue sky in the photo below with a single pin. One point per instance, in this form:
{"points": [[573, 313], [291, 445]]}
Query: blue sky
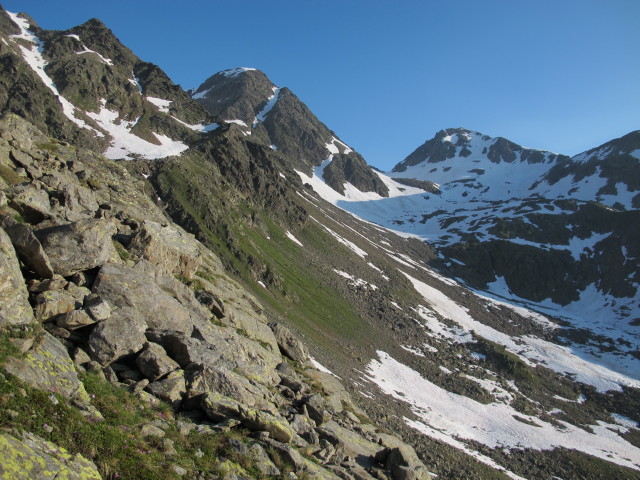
{"points": [[386, 76]]}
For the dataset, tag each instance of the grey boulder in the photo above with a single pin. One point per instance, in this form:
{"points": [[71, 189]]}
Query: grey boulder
{"points": [[78, 246]]}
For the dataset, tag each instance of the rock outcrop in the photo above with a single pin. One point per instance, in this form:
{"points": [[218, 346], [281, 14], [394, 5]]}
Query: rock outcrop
{"points": [[14, 298]]}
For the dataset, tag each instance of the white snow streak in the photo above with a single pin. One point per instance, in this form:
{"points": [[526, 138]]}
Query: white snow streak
{"points": [[271, 102], [531, 350], [294, 239], [35, 60], [163, 105]]}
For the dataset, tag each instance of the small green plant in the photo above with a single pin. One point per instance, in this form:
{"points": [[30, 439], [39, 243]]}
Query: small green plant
{"points": [[123, 253]]}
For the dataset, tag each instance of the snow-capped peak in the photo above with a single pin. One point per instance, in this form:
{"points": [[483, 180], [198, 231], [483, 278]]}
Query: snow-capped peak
{"points": [[234, 72]]}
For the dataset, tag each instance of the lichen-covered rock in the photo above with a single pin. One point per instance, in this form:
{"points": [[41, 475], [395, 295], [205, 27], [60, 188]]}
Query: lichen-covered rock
{"points": [[33, 458], [203, 379], [317, 410], [78, 246], [231, 470], [154, 362], [74, 319], [403, 463], [14, 298], [79, 201], [222, 347], [31, 202], [98, 308], [173, 250], [52, 303], [260, 420], [240, 309], [121, 335], [123, 286], [218, 407], [170, 389], [355, 445], [302, 424], [187, 350], [47, 366], [285, 453], [288, 343], [256, 454]]}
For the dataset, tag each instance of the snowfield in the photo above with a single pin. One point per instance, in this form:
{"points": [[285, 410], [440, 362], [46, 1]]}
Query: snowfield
{"points": [[125, 144], [528, 348], [454, 418]]}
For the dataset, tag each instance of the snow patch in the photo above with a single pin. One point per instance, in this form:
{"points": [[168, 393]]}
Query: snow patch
{"points": [[125, 144], [234, 72], [134, 81], [198, 127], [294, 239], [356, 282], [413, 350], [530, 349], [320, 367], [199, 95], [163, 105], [104, 60], [352, 246]]}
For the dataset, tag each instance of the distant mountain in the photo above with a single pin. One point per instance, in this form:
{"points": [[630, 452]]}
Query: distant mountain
{"points": [[528, 224], [277, 116], [476, 165]]}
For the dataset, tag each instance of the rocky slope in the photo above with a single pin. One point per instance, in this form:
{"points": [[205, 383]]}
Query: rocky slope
{"points": [[92, 270], [122, 272]]}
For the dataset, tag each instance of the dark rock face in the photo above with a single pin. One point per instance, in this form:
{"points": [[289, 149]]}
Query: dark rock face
{"points": [[352, 168], [612, 161], [434, 151], [437, 150], [234, 94]]}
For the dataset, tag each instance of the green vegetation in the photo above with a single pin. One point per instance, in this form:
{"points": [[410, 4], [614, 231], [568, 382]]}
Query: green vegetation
{"points": [[123, 253], [253, 246], [10, 176], [115, 443]]}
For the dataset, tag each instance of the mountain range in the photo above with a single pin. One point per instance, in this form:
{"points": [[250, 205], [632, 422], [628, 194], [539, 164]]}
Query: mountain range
{"points": [[474, 313]]}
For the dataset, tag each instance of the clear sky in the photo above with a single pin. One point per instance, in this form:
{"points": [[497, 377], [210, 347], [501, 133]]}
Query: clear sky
{"points": [[560, 75]]}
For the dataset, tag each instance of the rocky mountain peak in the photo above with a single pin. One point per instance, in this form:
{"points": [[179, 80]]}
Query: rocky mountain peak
{"points": [[278, 118], [235, 94], [456, 144], [458, 136]]}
